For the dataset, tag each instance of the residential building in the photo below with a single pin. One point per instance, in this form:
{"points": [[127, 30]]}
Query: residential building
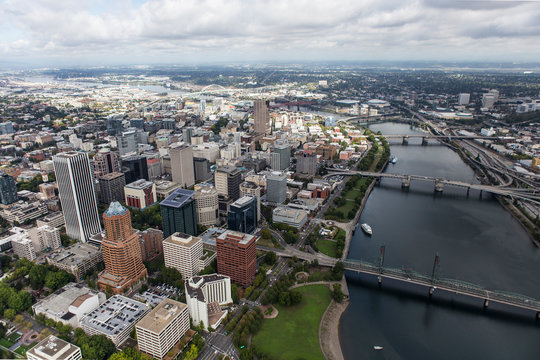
{"points": [[115, 318], [227, 180], [276, 187], [182, 164], [76, 189], [8, 189], [251, 188], [6, 128], [202, 169], [76, 259], [114, 126], [140, 194], [261, 116], [151, 241], [55, 220], [488, 100], [111, 187], [23, 211], [178, 213], [306, 163], [127, 142], [69, 304], [464, 98], [23, 247], [121, 251], [236, 256], [294, 217], [105, 162], [204, 296], [165, 188], [162, 328], [53, 348], [45, 237], [183, 252], [242, 215], [206, 204]]}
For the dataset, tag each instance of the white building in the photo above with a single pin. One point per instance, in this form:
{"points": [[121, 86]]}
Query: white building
{"points": [[45, 237], [209, 151], [206, 205], [21, 244], [293, 217], [160, 330], [182, 169], [183, 252], [205, 295], [53, 348], [464, 98]]}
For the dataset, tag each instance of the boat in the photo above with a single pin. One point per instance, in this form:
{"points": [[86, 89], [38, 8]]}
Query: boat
{"points": [[394, 160], [366, 228], [376, 347]]}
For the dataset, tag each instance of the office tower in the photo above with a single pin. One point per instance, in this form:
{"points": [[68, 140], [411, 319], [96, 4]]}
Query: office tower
{"points": [[111, 187], [6, 128], [151, 241], [8, 189], [242, 215], [464, 98], [261, 116], [236, 256], [135, 167], [186, 134], [306, 163], [154, 168], [162, 328], [284, 154], [121, 251], [105, 162], [276, 187], [488, 100], [182, 164], [227, 180], [136, 123], [178, 213], [250, 188], [114, 126], [206, 205], [202, 169], [204, 297], [169, 124], [127, 142], [140, 194], [183, 252], [53, 348], [77, 196]]}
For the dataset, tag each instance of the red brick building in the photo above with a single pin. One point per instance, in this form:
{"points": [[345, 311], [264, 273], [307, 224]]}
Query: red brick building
{"points": [[236, 256]]}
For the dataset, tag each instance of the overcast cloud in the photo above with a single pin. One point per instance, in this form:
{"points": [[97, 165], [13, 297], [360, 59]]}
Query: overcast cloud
{"points": [[158, 31]]}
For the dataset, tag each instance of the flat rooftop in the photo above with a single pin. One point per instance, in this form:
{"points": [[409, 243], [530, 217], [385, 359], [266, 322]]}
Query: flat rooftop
{"points": [[231, 170], [140, 184], [111, 176], [237, 236], [157, 319], [114, 315], [178, 198], [182, 239], [53, 348], [75, 254], [58, 302], [244, 200]]}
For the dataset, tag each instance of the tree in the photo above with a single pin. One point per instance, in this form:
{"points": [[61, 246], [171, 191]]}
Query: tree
{"points": [[9, 314], [192, 353], [285, 298], [337, 294], [338, 270], [44, 333], [270, 258], [266, 234]]}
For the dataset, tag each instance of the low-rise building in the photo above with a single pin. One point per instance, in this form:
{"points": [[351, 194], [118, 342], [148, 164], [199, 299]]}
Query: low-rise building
{"points": [[53, 348], [69, 304], [22, 211], [160, 330], [114, 318], [204, 297], [140, 194], [294, 217], [165, 188], [23, 247], [55, 220], [76, 259]]}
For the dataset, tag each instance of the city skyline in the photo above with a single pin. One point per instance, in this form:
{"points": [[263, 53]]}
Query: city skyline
{"points": [[163, 31]]}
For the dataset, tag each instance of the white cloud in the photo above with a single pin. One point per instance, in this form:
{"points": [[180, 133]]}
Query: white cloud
{"points": [[193, 30]]}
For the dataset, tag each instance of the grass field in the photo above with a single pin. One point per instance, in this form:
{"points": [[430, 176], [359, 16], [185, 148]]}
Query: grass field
{"points": [[327, 247], [14, 337], [294, 334], [5, 343], [21, 350], [269, 243]]}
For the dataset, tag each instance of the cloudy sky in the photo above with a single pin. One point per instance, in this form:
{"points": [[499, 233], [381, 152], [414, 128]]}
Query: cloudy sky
{"points": [[82, 32]]}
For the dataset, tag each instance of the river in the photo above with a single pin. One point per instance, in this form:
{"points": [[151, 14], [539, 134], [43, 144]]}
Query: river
{"points": [[477, 241]]}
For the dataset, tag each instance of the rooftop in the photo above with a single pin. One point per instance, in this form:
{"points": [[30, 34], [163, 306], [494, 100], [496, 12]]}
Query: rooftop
{"points": [[115, 209], [140, 184], [75, 254], [178, 198], [236, 236], [53, 348], [231, 170], [157, 319], [194, 284], [114, 315], [244, 200], [182, 239], [111, 176], [249, 184]]}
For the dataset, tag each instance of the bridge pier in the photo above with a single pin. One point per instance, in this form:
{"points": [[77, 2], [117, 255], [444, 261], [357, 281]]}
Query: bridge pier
{"points": [[468, 190], [431, 291], [538, 315], [424, 141], [405, 140], [379, 280], [406, 183], [439, 186], [486, 303]]}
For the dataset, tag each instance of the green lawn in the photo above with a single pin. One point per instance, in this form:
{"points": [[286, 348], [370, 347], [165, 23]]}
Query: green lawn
{"points": [[294, 334], [14, 337], [21, 350], [327, 247], [5, 343]]}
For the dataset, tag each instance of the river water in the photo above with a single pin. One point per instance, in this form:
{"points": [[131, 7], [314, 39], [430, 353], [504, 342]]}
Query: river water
{"points": [[477, 241]]}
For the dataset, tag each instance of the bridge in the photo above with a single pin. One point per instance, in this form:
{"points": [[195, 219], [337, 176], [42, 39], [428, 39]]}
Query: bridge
{"points": [[529, 194], [426, 137]]}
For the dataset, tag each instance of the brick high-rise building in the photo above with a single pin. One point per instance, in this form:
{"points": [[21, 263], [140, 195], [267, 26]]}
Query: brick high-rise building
{"points": [[261, 116], [111, 187], [121, 251], [105, 162], [236, 256]]}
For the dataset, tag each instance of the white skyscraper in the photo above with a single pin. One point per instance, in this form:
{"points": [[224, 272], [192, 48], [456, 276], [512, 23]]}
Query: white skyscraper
{"points": [[182, 169], [464, 98], [76, 189]]}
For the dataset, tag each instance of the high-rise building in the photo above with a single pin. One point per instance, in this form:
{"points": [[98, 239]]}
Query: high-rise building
{"points": [[163, 327], [136, 123], [276, 187], [111, 187], [53, 348], [186, 134], [45, 237], [105, 162], [202, 169], [114, 126], [140, 194], [8, 189], [306, 163], [250, 188], [135, 167], [261, 116], [76, 189], [236, 256], [183, 252], [182, 164], [283, 150], [227, 180], [464, 98], [178, 213], [206, 205], [242, 215], [204, 297], [127, 142], [151, 241], [121, 251], [488, 100]]}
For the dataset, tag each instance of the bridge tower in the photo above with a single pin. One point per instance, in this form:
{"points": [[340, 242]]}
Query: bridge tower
{"points": [[424, 141], [434, 273], [381, 263], [439, 186], [406, 183], [405, 140]]}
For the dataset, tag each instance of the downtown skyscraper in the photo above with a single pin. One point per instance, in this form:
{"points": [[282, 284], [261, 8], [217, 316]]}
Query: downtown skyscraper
{"points": [[76, 189], [261, 116]]}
